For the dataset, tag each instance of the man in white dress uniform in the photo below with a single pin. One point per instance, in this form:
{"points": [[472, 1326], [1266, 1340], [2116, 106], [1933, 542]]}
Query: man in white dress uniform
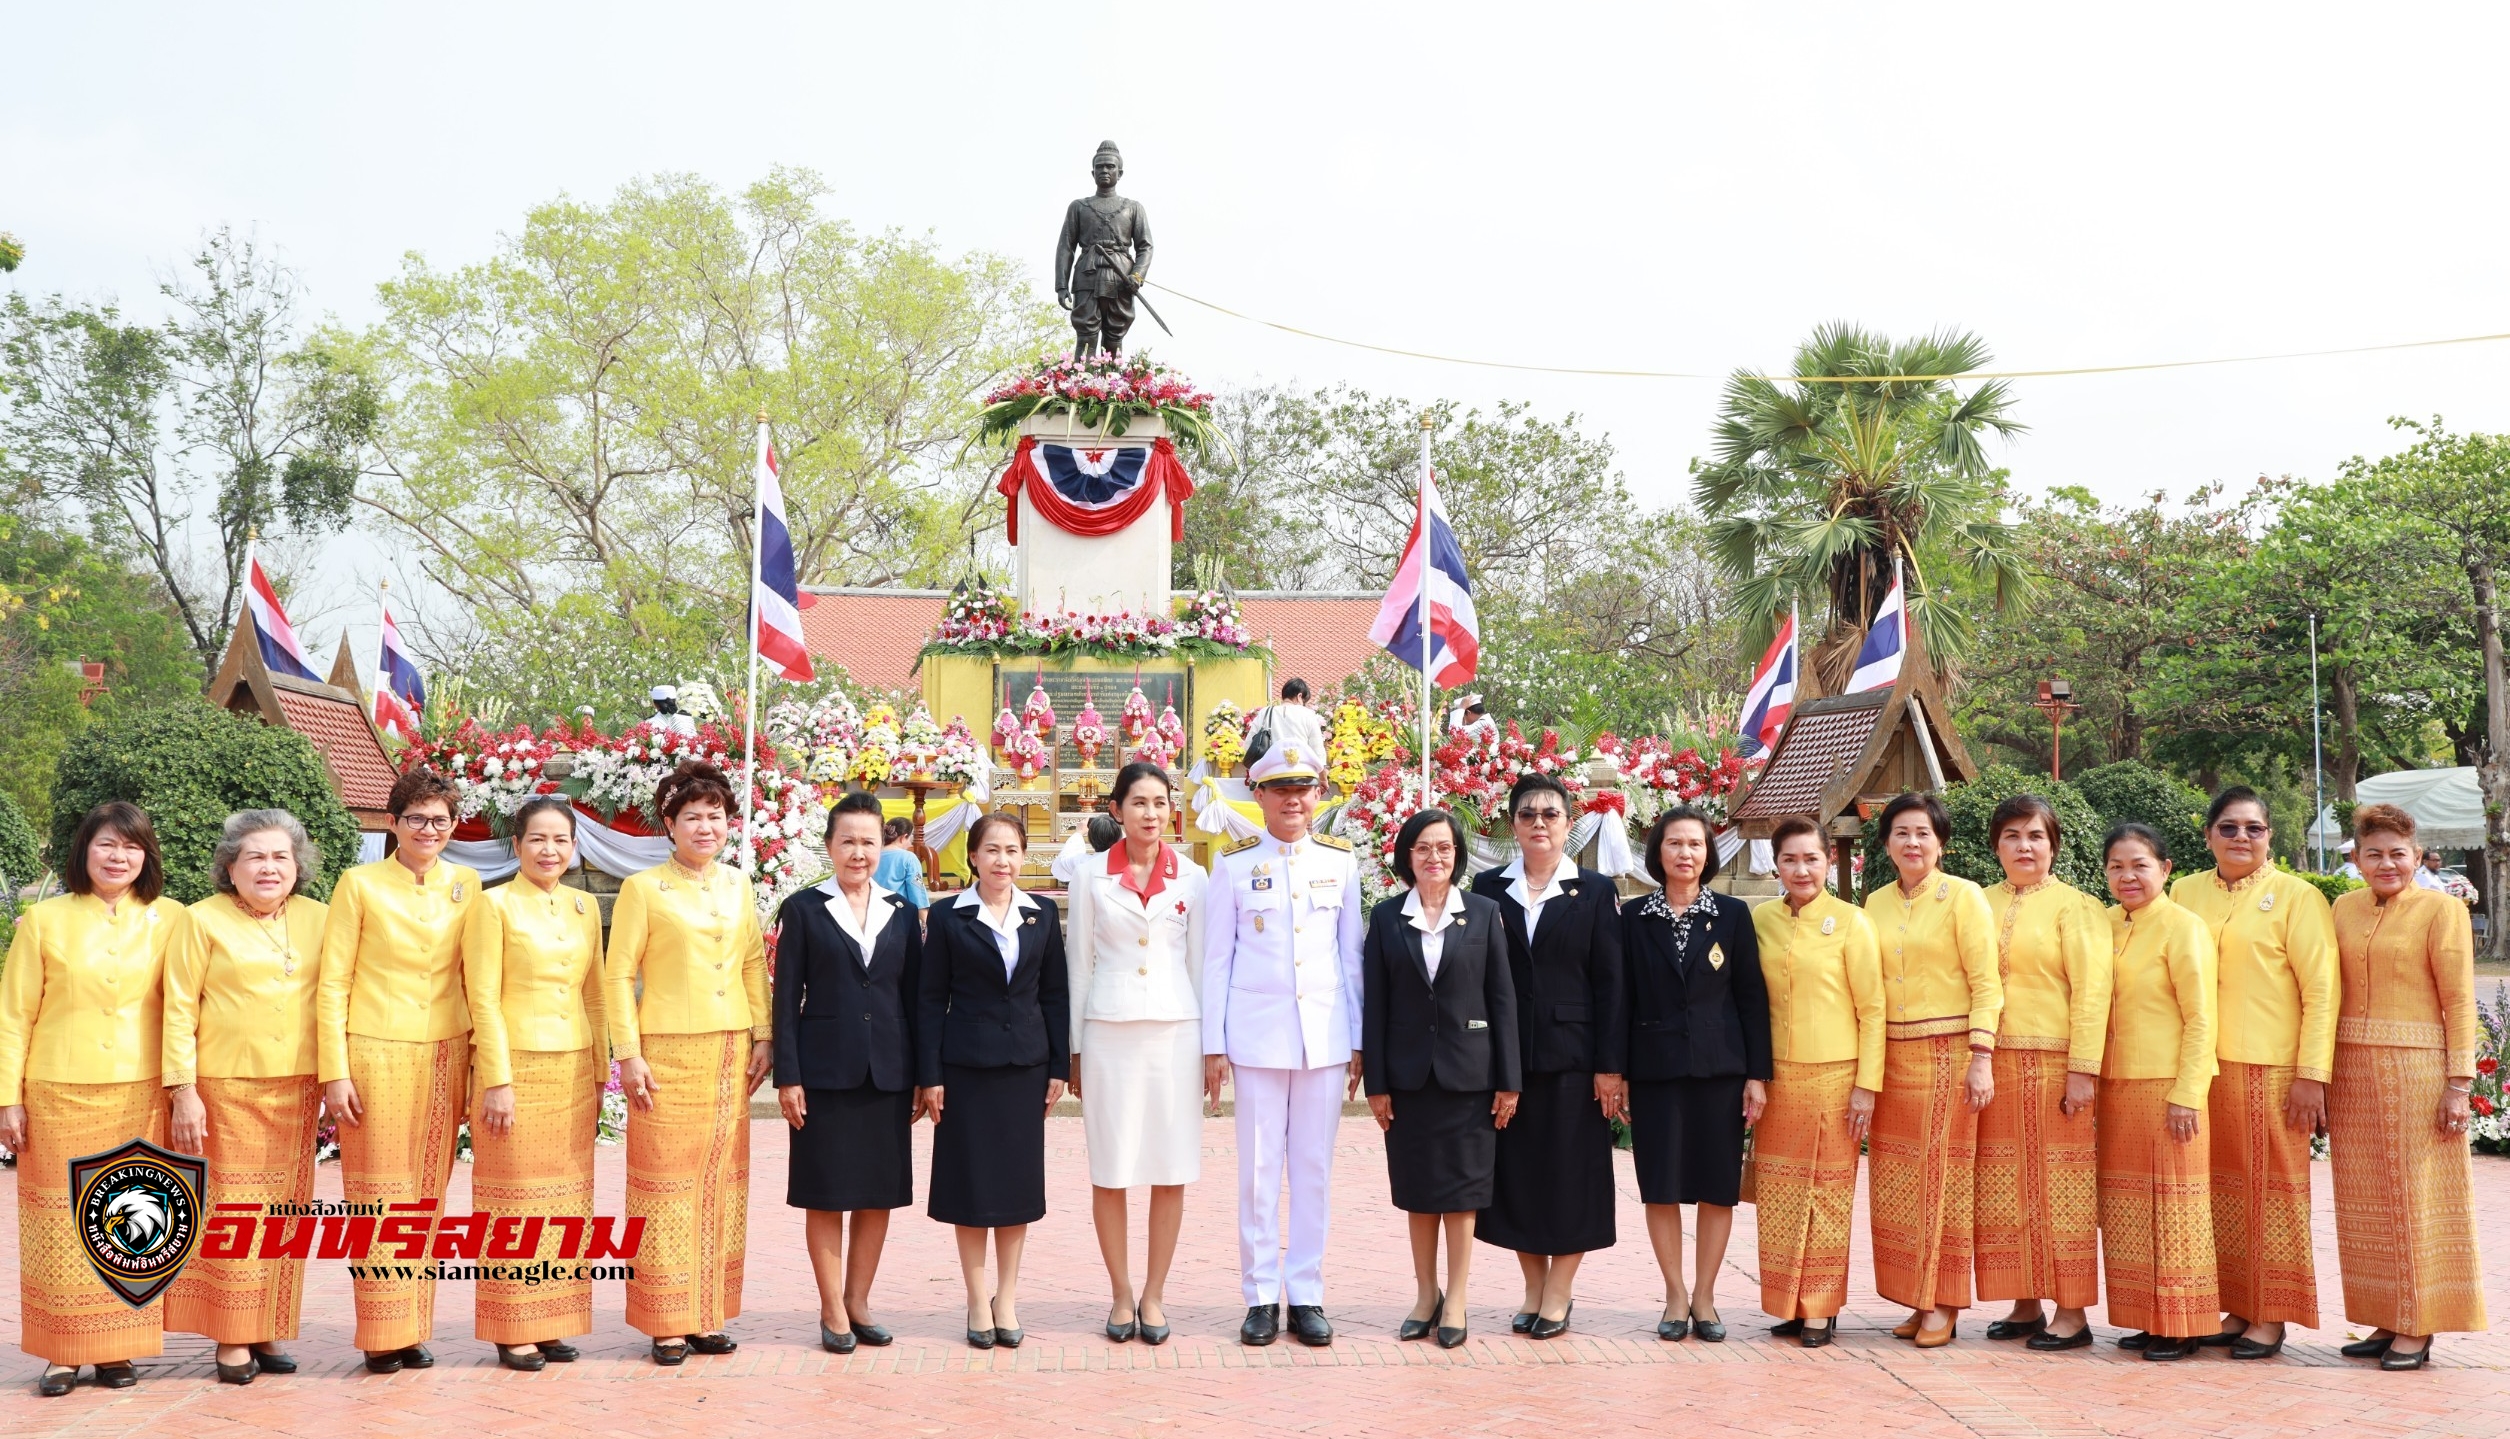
{"points": [[1281, 1005]]}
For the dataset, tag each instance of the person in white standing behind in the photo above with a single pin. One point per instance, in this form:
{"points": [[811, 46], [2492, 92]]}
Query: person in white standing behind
{"points": [[1134, 954], [1281, 1007]]}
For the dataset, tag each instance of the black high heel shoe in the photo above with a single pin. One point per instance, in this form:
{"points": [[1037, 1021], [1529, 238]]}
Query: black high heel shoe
{"points": [[1450, 1338], [712, 1344], [1153, 1334], [120, 1374], [836, 1341], [1812, 1338], [286, 1363], [1522, 1321], [2368, 1348], [58, 1380], [235, 1373], [509, 1355], [2396, 1362], [1120, 1333], [875, 1335], [550, 1349], [1552, 1328], [1422, 1328]]}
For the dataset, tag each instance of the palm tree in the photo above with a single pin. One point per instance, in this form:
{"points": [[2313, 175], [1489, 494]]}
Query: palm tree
{"points": [[1818, 483]]}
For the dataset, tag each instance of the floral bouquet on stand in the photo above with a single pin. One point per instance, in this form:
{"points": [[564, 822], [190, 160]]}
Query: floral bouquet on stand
{"points": [[959, 761], [1026, 756], [1099, 391], [877, 757], [1170, 728], [919, 745], [1155, 749], [1007, 727], [978, 614], [1038, 714], [1135, 718], [1089, 729], [1224, 740], [825, 734]]}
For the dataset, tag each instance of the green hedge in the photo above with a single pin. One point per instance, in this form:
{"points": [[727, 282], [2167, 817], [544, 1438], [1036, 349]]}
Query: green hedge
{"points": [[21, 853], [2128, 791], [1972, 852], [190, 766], [2330, 885]]}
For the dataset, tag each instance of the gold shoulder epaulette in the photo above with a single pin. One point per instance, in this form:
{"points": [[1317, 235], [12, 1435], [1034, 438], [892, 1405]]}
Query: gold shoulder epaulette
{"points": [[1332, 841], [1244, 844]]}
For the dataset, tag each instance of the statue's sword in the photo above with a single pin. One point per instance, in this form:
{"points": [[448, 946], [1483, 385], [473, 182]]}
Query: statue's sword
{"points": [[1105, 252]]}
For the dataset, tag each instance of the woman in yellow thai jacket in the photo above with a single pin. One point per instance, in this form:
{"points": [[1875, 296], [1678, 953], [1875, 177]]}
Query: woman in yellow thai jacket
{"points": [[239, 1063], [690, 1052], [2156, 1219], [394, 1045], [531, 968], [2038, 1162], [1942, 1002], [82, 1016], [2274, 1049], [1824, 974], [2397, 1115]]}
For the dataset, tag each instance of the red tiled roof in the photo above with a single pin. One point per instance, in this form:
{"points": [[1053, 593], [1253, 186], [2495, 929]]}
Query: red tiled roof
{"points": [[875, 635], [1823, 739], [340, 733]]}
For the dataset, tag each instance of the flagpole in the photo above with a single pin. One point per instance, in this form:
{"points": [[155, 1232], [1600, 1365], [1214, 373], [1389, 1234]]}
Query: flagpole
{"points": [[2318, 757], [1421, 523], [383, 661], [749, 716]]}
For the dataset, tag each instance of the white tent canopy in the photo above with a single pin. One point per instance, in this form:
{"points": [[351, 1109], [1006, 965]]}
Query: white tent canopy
{"points": [[2447, 807]]}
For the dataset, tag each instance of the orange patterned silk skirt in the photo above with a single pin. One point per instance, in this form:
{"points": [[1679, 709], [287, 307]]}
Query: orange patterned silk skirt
{"points": [[2038, 1192], [2405, 1204], [1804, 1168], [1923, 1152], [261, 1152], [67, 1315], [400, 1152], [689, 1180], [540, 1170], [2156, 1214], [2261, 1181]]}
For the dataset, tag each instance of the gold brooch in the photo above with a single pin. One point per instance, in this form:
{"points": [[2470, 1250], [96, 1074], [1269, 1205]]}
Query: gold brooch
{"points": [[579, 904], [1830, 924], [2266, 904], [1943, 889], [457, 891], [1716, 956]]}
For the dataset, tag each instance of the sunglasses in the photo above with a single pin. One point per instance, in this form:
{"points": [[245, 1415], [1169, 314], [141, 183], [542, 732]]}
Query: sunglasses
{"points": [[2228, 830], [1542, 816]]}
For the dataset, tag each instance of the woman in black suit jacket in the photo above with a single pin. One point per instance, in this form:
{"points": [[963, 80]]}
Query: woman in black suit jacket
{"points": [[994, 1048], [1553, 1199], [1439, 1052], [848, 956], [1699, 1062]]}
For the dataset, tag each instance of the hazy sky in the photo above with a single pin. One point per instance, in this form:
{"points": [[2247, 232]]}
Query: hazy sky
{"points": [[1660, 187]]}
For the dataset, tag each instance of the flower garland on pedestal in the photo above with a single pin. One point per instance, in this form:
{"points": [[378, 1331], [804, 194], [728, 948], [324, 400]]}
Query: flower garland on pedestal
{"points": [[1655, 777], [982, 620], [1099, 391], [826, 734]]}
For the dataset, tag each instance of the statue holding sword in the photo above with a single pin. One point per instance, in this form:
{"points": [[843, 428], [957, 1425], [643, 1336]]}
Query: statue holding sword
{"points": [[1101, 259]]}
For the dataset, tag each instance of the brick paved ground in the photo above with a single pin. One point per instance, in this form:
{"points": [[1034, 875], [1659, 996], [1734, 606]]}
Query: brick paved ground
{"points": [[1610, 1376]]}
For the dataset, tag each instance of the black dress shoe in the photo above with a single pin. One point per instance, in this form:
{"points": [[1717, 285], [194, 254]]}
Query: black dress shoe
{"points": [[1674, 1331], [1817, 1338], [2246, 1348], [2390, 1360], [286, 1363], [1452, 1338], [1412, 1329], [1308, 1326], [512, 1358], [712, 1344], [1552, 1328], [1120, 1333], [2220, 1338], [1152, 1334], [2016, 1329], [1786, 1329], [1712, 1331], [57, 1381], [1262, 1326], [388, 1361], [2138, 1340], [1522, 1321], [416, 1357], [980, 1339], [669, 1353], [235, 1373], [2045, 1341], [2164, 1349], [2368, 1348], [1008, 1338], [874, 1335], [120, 1375], [836, 1341], [550, 1349]]}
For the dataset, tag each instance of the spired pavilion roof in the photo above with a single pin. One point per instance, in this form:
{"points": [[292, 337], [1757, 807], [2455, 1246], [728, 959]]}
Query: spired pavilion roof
{"points": [[1823, 738], [338, 727]]}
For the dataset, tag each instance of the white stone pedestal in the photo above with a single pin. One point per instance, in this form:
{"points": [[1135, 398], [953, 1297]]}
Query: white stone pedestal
{"points": [[1061, 571]]}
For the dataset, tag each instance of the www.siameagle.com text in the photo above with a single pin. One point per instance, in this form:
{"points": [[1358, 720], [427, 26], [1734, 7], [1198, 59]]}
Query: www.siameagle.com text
{"points": [[538, 1272]]}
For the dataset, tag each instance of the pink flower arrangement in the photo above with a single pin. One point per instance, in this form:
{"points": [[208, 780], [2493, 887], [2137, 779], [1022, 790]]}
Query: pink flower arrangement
{"points": [[1135, 720], [1026, 754], [1089, 729], [1038, 715], [1007, 727], [1103, 379]]}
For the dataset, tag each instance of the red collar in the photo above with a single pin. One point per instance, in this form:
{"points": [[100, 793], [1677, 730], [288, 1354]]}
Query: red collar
{"points": [[1119, 870]]}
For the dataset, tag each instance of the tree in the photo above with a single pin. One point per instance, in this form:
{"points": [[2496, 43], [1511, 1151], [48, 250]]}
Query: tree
{"points": [[2457, 489], [190, 765], [1816, 488], [188, 438], [572, 445]]}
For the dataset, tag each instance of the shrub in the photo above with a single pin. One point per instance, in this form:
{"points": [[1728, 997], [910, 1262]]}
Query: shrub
{"points": [[191, 765], [21, 854], [2128, 791], [1971, 853], [2330, 885]]}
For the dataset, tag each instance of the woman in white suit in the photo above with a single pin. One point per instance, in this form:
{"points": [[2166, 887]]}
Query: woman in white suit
{"points": [[1136, 934]]}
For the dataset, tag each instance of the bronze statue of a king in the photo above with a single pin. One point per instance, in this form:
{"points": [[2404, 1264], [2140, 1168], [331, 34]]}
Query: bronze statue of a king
{"points": [[1101, 258]]}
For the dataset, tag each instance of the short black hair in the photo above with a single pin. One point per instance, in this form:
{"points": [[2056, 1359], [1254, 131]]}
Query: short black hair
{"points": [[131, 824], [1295, 689], [1133, 774], [1792, 826], [1008, 819], [2236, 794], [1937, 818], [1103, 833], [2143, 834], [417, 787], [539, 805], [2018, 807], [1410, 835], [1656, 842], [896, 828], [855, 801], [1535, 782]]}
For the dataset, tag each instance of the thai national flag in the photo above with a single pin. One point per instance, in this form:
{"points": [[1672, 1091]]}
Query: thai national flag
{"points": [[1432, 557], [1878, 664], [280, 653], [776, 598], [1772, 694], [400, 694]]}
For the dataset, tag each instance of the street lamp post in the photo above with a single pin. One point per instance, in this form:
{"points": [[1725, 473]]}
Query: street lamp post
{"points": [[2056, 700]]}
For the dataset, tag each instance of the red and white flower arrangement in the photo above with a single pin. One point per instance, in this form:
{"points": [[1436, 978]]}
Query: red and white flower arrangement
{"points": [[1135, 720], [492, 773], [1089, 728]]}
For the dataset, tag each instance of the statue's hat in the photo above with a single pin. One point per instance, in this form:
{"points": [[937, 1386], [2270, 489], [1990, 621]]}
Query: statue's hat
{"points": [[1108, 148]]}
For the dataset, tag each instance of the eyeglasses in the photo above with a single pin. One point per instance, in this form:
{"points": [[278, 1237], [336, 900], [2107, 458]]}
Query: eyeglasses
{"points": [[1433, 851], [425, 823], [2229, 830], [1542, 816]]}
